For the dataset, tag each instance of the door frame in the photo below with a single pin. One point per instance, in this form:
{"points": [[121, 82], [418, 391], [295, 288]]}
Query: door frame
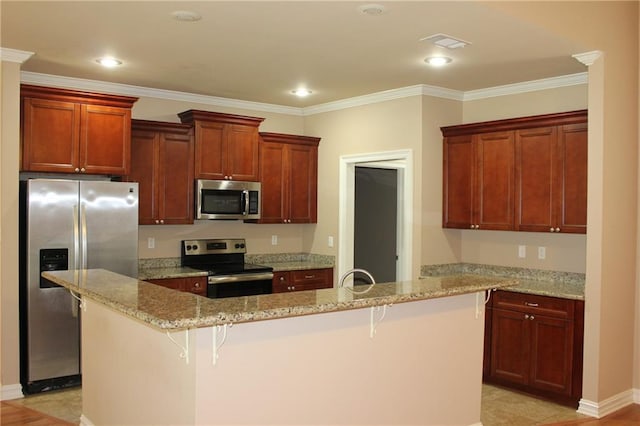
{"points": [[401, 160]]}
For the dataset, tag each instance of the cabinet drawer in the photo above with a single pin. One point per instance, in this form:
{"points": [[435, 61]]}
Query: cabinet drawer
{"points": [[530, 303], [310, 276]]}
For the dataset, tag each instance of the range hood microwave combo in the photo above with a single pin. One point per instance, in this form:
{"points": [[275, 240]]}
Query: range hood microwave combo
{"points": [[227, 199]]}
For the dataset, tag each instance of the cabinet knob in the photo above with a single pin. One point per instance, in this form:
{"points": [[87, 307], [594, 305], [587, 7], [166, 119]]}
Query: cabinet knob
{"points": [[531, 317], [83, 170], [281, 278], [526, 316], [477, 226], [557, 229], [157, 221], [161, 220], [473, 226], [293, 287], [197, 284], [77, 170]]}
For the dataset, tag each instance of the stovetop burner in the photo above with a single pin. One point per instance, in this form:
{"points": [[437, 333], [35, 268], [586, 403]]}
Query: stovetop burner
{"points": [[219, 256]]}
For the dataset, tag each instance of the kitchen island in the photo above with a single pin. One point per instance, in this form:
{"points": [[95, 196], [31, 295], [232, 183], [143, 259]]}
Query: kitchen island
{"points": [[403, 353]]}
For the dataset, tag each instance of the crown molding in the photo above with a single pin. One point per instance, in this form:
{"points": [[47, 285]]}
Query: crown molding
{"points": [[147, 92], [403, 92], [387, 95], [13, 55], [587, 58], [527, 86]]}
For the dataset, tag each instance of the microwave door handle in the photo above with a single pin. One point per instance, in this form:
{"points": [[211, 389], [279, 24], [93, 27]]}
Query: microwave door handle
{"points": [[245, 195]]}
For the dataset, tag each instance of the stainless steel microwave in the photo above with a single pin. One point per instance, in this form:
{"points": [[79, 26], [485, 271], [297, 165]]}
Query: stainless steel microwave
{"points": [[227, 199]]}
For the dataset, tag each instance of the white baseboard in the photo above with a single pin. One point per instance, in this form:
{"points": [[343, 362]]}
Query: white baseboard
{"points": [[84, 421], [609, 405], [11, 392], [476, 424]]}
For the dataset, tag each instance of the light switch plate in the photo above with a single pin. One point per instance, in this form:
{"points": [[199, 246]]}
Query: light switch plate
{"points": [[274, 240], [151, 242], [542, 252]]}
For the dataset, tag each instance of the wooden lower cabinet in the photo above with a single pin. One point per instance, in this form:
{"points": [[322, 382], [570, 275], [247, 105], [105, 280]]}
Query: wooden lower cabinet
{"points": [[308, 279], [535, 345], [195, 285]]}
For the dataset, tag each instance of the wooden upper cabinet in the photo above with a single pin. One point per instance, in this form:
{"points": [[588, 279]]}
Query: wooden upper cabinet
{"points": [[479, 181], [68, 131], [525, 174], [226, 145], [162, 164], [289, 176]]}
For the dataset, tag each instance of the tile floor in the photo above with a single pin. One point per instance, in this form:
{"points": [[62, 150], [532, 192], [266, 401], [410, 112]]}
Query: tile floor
{"points": [[500, 407]]}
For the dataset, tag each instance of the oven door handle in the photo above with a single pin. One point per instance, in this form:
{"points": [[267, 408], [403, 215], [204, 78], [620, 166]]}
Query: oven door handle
{"points": [[214, 279]]}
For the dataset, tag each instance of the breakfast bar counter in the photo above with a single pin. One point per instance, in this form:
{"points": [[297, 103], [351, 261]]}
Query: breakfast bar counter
{"points": [[403, 353]]}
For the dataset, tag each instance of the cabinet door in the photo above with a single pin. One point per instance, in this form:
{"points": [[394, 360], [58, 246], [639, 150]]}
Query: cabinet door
{"points": [[144, 170], [495, 178], [458, 182], [209, 159], [510, 346], [272, 175], [535, 171], [105, 140], [241, 152], [50, 131], [303, 183], [175, 182], [551, 354], [312, 279], [572, 179]]}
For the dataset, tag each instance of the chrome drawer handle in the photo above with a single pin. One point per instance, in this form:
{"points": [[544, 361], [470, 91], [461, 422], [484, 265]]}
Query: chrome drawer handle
{"points": [[533, 305], [308, 277]]}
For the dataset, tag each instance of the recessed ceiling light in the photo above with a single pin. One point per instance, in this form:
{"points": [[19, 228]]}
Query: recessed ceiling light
{"points": [[186, 16], [109, 62], [301, 92], [371, 9], [437, 61]]}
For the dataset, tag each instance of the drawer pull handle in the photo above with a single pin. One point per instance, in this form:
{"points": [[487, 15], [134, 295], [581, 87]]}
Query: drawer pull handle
{"points": [[308, 277], [533, 305]]}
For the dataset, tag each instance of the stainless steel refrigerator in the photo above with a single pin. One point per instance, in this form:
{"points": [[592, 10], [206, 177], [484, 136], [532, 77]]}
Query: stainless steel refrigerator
{"points": [[67, 224]]}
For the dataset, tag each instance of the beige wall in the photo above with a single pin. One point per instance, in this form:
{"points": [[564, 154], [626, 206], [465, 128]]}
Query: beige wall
{"points": [[9, 160]]}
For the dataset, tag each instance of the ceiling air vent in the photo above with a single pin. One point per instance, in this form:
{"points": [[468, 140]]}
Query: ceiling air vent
{"points": [[447, 41]]}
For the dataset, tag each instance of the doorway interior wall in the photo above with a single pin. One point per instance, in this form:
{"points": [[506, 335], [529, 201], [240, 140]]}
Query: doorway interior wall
{"points": [[402, 161]]}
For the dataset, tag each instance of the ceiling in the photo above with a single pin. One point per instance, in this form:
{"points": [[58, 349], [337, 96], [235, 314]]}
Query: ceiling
{"points": [[261, 51]]}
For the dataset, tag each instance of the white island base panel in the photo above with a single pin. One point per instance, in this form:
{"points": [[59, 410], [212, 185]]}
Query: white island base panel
{"points": [[422, 367]]}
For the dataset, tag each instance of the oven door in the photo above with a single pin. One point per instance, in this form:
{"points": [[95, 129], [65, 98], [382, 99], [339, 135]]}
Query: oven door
{"points": [[220, 286]]}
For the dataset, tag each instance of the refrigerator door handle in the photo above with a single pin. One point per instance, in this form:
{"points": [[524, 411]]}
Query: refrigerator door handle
{"points": [[83, 224], [76, 238]]}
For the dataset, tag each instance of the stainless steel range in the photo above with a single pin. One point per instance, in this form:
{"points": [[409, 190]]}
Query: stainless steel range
{"points": [[228, 274]]}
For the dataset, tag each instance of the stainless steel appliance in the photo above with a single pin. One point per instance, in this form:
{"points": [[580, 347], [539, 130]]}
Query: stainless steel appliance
{"points": [[67, 224], [227, 199], [228, 274]]}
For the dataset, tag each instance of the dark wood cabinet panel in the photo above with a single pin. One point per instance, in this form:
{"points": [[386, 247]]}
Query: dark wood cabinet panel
{"points": [[308, 279], [66, 131], [226, 145], [526, 174], [572, 178], [162, 164], [458, 182], [289, 176], [535, 345], [495, 181], [195, 285]]}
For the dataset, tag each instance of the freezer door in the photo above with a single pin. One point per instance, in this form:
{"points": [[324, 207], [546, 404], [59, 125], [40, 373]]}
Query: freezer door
{"points": [[52, 325], [109, 226]]}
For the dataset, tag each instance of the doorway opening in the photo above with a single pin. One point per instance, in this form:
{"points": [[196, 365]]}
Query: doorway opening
{"points": [[391, 164]]}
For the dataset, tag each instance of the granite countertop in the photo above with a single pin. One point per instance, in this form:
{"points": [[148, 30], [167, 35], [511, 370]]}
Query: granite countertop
{"points": [[168, 309], [297, 265], [170, 272], [566, 285]]}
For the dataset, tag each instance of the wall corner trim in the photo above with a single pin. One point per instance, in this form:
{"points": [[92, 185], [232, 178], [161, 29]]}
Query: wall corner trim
{"points": [[13, 55], [609, 405], [12, 392]]}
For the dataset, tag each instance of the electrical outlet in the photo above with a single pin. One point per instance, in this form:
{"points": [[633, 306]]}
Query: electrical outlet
{"points": [[522, 251], [151, 242], [542, 252], [274, 240], [330, 241]]}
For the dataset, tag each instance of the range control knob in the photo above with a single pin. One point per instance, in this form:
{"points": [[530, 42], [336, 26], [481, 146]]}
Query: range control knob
{"points": [[195, 247], [188, 247]]}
